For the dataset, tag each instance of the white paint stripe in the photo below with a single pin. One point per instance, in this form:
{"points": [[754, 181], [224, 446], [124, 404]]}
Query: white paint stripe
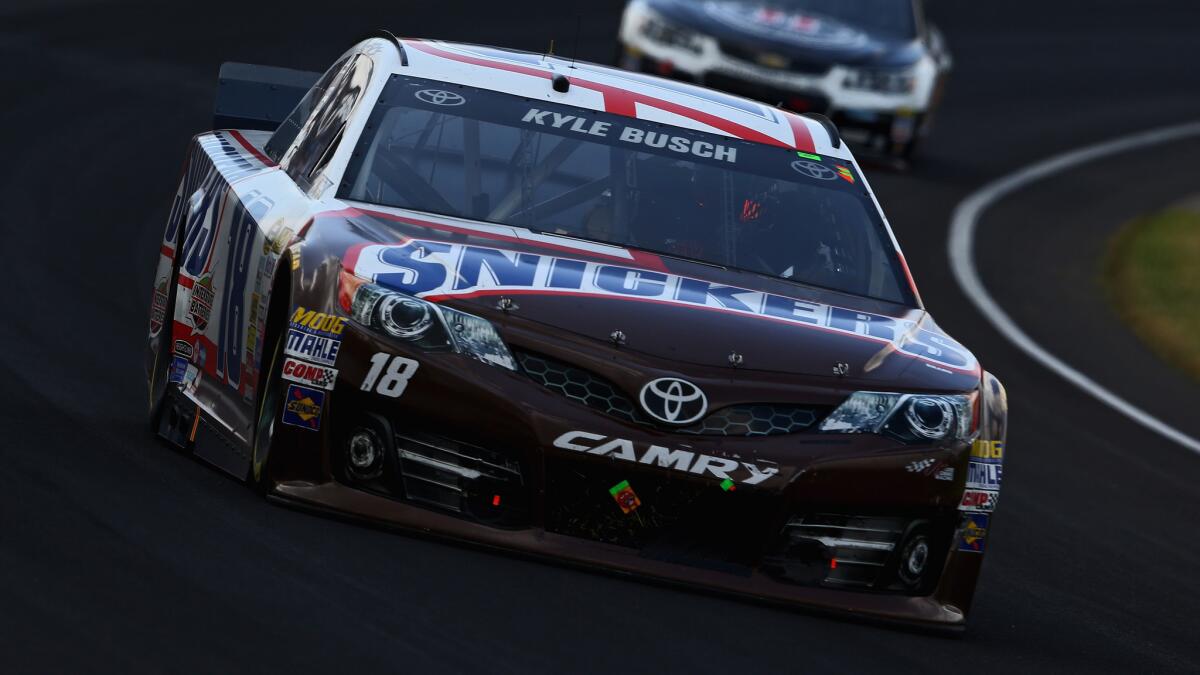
{"points": [[962, 261]]}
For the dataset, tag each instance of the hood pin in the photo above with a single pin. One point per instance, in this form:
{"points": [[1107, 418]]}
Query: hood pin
{"points": [[506, 304], [735, 359], [617, 337], [840, 369]]}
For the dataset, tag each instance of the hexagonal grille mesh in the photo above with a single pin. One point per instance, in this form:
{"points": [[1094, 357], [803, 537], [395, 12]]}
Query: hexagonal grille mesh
{"points": [[599, 394], [755, 420], [579, 385]]}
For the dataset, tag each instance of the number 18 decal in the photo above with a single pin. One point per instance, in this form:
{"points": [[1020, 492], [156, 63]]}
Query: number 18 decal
{"points": [[396, 371]]}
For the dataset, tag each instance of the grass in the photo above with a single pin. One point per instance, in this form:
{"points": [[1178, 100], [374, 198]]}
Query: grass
{"points": [[1152, 275]]}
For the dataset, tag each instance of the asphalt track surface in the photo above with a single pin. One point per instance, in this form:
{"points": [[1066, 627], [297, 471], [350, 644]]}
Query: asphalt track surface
{"points": [[118, 555]]}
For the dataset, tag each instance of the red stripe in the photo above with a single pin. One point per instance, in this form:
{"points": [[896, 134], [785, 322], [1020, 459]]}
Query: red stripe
{"points": [[908, 275], [804, 141], [167, 251], [624, 102], [237, 136]]}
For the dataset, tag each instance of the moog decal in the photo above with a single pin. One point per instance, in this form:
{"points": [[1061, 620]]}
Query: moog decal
{"points": [[314, 336], [436, 270]]}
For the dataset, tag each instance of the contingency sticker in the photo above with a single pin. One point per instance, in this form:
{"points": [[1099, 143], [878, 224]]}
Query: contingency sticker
{"points": [[625, 497], [973, 534], [982, 476], [983, 501], [315, 336], [178, 368], [303, 407], [322, 377]]}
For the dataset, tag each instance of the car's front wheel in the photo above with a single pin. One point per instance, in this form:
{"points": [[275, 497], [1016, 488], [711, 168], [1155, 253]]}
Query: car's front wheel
{"points": [[270, 411]]}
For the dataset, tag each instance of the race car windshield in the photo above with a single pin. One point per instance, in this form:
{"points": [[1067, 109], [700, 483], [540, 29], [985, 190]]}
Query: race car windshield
{"points": [[485, 155], [893, 18]]}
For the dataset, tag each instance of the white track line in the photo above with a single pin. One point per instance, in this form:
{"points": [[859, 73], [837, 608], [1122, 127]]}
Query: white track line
{"points": [[962, 261]]}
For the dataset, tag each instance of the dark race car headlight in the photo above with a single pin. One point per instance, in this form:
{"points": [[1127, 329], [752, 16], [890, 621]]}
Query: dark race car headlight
{"points": [[881, 81], [911, 418], [427, 325]]}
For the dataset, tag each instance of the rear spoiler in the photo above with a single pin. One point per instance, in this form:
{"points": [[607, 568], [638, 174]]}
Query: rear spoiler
{"points": [[258, 97]]}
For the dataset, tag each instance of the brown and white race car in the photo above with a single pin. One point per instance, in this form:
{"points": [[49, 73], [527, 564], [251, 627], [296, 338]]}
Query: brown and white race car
{"points": [[578, 312]]}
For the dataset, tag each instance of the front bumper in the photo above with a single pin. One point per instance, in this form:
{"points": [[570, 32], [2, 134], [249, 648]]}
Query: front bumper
{"points": [[873, 121], [477, 453]]}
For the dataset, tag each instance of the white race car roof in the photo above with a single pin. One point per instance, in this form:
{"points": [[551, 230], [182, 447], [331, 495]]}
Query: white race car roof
{"points": [[616, 91]]}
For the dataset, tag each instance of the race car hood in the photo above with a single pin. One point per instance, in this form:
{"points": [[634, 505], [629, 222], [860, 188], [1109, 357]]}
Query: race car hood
{"points": [[794, 34], [680, 312]]}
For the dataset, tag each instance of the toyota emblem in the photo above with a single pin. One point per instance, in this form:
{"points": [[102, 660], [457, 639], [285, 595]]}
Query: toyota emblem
{"points": [[814, 170], [440, 97], [674, 401]]}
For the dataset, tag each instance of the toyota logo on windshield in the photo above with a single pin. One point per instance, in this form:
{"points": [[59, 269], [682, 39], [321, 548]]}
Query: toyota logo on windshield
{"points": [[814, 170], [674, 401], [440, 97]]}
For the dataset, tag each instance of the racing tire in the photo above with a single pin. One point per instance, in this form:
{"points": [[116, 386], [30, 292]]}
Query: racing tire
{"points": [[270, 413]]}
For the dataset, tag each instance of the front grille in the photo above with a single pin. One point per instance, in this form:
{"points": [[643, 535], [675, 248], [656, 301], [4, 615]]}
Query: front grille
{"points": [[756, 420], [597, 393], [791, 63], [579, 385]]}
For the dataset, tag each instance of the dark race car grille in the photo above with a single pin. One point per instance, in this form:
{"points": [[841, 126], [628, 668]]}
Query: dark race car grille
{"points": [[756, 420], [579, 385], [792, 64], [599, 394]]}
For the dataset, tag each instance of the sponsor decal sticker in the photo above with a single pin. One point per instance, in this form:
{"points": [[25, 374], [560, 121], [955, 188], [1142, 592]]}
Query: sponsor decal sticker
{"points": [[437, 270], [191, 379], [990, 452], [315, 336], [179, 367], [312, 347], [625, 497], [844, 174], [303, 407], [200, 307], [311, 374], [183, 348], [983, 501], [728, 485], [920, 465], [973, 534], [158, 307], [686, 461], [983, 476], [318, 323], [808, 155], [945, 474]]}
